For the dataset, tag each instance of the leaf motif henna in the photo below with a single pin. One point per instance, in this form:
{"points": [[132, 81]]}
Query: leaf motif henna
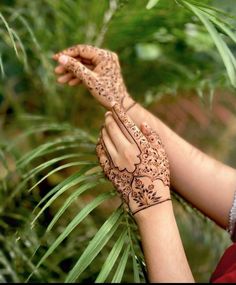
{"points": [[149, 183]]}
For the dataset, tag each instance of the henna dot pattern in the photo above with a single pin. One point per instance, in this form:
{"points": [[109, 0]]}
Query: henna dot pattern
{"points": [[104, 80], [140, 188]]}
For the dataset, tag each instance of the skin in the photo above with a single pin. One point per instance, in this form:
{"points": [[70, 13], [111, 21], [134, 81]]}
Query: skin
{"points": [[98, 69], [207, 184], [194, 175], [135, 162], [143, 184]]}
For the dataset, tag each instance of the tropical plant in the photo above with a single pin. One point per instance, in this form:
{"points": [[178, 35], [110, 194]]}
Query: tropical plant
{"points": [[60, 220]]}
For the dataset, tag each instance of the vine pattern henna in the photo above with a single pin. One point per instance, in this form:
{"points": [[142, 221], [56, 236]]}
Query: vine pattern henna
{"points": [[104, 81], [139, 188]]}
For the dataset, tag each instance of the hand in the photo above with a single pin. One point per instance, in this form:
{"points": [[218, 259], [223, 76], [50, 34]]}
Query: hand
{"points": [[134, 161], [98, 69]]}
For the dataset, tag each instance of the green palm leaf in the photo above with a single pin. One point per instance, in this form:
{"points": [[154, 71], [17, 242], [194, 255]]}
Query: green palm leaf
{"points": [[135, 268], [61, 188], [95, 245], [151, 4], [117, 278], [9, 30], [64, 166], [48, 163], [75, 222], [112, 257], [221, 46], [2, 67], [40, 150], [70, 200]]}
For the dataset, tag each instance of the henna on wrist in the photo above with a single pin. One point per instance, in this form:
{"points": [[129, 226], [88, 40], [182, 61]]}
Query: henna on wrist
{"points": [[130, 105], [147, 182]]}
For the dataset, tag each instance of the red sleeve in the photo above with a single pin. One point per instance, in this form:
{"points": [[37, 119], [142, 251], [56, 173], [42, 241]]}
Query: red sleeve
{"points": [[225, 271]]}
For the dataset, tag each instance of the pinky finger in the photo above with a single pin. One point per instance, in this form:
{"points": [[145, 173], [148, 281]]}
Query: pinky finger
{"points": [[74, 82]]}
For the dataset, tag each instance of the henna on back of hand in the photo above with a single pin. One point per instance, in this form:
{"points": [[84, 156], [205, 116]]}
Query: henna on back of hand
{"points": [[148, 184]]}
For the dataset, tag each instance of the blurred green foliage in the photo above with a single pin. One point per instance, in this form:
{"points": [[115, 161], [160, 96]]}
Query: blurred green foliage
{"points": [[48, 132]]}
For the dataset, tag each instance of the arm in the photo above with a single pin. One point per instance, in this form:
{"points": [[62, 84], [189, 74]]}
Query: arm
{"points": [[206, 183], [137, 165], [194, 175], [163, 250]]}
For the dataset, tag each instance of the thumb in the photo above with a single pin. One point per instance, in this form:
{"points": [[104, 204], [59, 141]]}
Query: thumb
{"points": [[77, 68]]}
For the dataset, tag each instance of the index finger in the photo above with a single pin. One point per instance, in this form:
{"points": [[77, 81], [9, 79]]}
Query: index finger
{"points": [[86, 52], [130, 130]]}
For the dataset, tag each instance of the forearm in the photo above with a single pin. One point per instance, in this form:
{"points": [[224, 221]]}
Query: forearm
{"points": [[163, 250], [206, 183]]}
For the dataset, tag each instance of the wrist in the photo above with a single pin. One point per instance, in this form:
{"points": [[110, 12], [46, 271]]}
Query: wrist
{"points": [[127, 102], [147, 194], [154, 213], [135, 109]]}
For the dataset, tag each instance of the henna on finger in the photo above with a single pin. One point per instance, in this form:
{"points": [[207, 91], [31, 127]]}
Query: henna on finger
{"points": [[147, 184], [106, 83]]}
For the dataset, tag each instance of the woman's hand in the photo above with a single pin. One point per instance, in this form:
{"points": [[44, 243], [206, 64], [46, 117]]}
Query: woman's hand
{"points": [[134, 161], [98, 69]]}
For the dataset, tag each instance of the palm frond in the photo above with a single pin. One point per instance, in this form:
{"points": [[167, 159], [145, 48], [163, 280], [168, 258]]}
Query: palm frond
{"points": [[96, 245], [222, 47]]}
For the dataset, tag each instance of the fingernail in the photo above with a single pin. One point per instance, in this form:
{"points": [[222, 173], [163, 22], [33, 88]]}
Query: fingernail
{"points": [[63, 59]]}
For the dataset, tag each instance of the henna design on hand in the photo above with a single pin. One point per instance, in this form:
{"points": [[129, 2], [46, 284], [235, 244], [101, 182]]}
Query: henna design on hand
{"points": [[148, 183], [104, 80]]}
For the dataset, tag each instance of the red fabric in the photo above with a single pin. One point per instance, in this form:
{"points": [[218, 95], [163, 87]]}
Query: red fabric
{"points": [[225, 271]]}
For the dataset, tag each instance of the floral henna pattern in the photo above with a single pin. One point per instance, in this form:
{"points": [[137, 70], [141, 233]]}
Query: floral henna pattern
{"points": [[142, 187], [105, 80]]}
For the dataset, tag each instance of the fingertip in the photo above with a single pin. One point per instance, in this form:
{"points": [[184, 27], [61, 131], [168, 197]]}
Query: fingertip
{"points": [[55, 56], [74, 82], [60, 80], [108, 113], [59, 69]]}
